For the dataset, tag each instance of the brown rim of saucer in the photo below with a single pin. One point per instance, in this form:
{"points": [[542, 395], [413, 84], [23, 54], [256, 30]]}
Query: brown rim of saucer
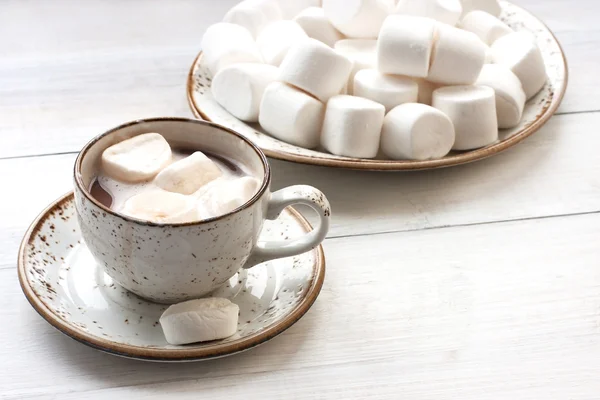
{"points": [[153, 354], [391, 165], [79, 182]]}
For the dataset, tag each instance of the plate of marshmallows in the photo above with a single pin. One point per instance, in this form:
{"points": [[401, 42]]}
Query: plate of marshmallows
{"points": [[379, 84]]}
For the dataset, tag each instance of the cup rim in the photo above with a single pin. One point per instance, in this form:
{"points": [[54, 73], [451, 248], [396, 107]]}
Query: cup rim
{"points": [[81, 187]]}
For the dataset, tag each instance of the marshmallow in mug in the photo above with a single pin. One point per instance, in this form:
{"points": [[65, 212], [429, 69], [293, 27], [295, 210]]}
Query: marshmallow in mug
{"points": [[226, 44], [315, 68], [362, 53], [352, 126], [254, 15], [446, 11], [405, 44], [277, 38], [510, 97], [240, 88], [361, 19], [416, 132], [317, 26], [291, 115], [388, 90], [487, 27], [489, 6], [472, 110], [457, 57], [520, 52]]}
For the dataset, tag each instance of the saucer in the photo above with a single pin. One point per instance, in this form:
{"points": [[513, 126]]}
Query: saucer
{"points": [[68, 289], [537, 112]]}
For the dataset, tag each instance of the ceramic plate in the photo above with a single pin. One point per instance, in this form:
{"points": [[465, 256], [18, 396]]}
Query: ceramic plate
{"points": [[537, 111], [65, 286]]}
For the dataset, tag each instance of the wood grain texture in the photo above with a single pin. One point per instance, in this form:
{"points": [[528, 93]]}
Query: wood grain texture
{"points": [[78, 70], [509, 310]]}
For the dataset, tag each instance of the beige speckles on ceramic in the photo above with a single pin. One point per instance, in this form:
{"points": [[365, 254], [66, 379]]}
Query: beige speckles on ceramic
{"points": [[537, 111], [62, 280]]}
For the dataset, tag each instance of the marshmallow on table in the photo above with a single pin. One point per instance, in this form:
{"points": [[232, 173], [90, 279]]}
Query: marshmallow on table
{"points": [[362, 53], [388, 90], [254, 15], [352, 126], [277, 38], [426, 89], [160, 206], [225, 195], [137, 159], [510, 97], [489, 6], [225, 44], [446, 11], [200, 321], [317, 26], [291, 8], [486, 26], [520, 52], [405, 44], [358, 18], [188, 175], [315, 68], [457, 57], [291, 115], [472, 110], [239, 88], [416, 132]]}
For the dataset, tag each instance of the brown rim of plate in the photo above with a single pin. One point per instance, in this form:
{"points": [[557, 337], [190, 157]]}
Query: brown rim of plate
{"points": [[154, 354], [79, 181], [392, 165]]}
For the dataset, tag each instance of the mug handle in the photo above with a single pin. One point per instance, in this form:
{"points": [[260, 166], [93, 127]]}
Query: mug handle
{"points": [[300, 194]]}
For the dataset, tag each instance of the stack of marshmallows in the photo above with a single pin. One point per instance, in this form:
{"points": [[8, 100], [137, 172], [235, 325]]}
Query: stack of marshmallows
{"points": [[412, 78]]}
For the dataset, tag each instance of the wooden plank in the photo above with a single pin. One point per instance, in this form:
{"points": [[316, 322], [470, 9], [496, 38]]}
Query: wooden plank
{"points": [[555, 172], [496, 311], [68, 79]]}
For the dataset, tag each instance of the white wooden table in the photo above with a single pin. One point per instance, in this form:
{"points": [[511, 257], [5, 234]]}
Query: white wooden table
{"points": [[477, 282]]}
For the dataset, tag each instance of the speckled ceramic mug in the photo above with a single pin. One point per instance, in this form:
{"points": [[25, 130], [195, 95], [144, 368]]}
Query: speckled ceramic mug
{"points": [[168, 263]]}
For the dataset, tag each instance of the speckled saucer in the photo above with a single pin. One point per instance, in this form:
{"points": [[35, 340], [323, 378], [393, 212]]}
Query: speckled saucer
{"points": [[65, 286], [537, 110]]}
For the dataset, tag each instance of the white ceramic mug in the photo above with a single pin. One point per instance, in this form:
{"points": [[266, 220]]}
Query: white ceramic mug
{"points": [[168, 263]]}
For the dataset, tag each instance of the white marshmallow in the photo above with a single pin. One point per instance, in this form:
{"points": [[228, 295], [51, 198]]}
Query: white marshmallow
{"points": [[520, 52], [472, 110], [457, 57], [277, 38], [317, 26], [405, 44], [489, 6], [239, 88], [416, 132], [292, 8], [188, 175], [426, 89], [291, 115], [254, 15], [137, 159], [446, 11], [225, 44], [160, 206], [200, 321], [352, 126], [388, 90], [487, 27], [225, 195], [363, 54], [358, 18], [315, 68], [489, 56], [510, 97]]}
